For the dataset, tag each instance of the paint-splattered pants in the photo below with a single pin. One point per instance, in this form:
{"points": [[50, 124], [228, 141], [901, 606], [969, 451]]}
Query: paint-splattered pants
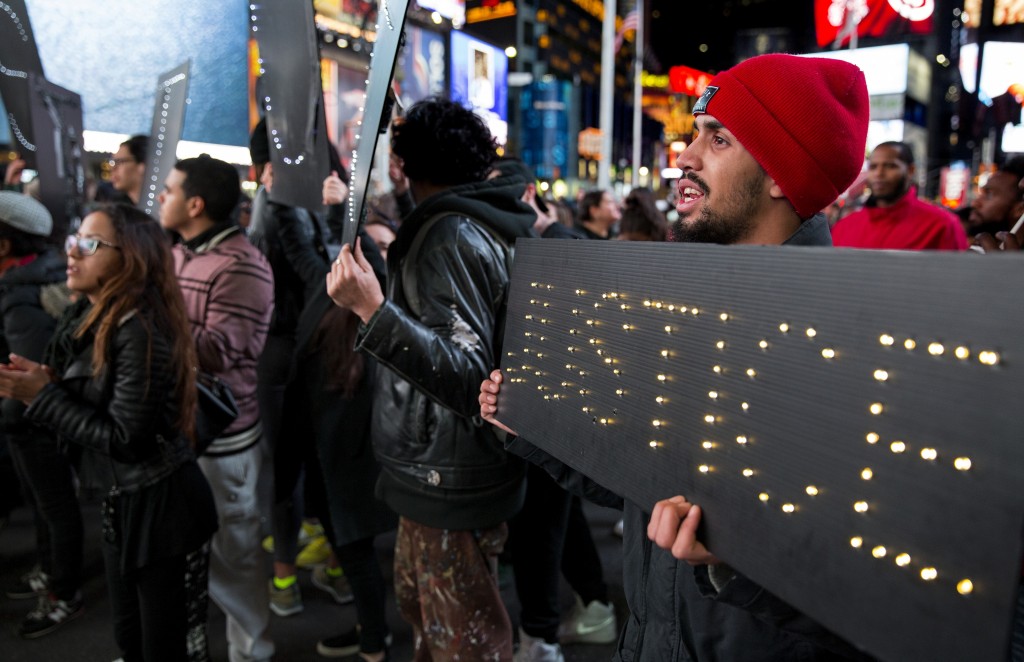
{"points": [[446, 587]]}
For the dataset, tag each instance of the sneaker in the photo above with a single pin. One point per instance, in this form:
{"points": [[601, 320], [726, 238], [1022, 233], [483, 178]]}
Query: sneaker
{"points": [[307, 532], [32, 584], [49, 614], [537, 650], [338, 586], [285, 601], [591, 624], [347, 644], [315, 553]]}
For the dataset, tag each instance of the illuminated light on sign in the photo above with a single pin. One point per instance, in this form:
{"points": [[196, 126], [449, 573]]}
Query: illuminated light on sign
{"points": [[489, 10], [685, 80]]}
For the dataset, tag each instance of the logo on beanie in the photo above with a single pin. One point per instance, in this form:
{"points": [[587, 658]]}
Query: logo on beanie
{"points": [[702, 103]]}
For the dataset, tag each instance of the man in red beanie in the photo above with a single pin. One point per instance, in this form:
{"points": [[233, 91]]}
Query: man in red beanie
{"points": [[894, 218], [779, 138]]}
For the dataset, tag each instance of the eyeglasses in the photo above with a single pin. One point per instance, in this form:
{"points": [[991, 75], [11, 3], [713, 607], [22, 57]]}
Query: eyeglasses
{"points": [[121, 161], [85, 245]]}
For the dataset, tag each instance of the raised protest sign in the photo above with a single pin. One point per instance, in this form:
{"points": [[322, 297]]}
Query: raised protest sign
{"points": [[848, 420]]}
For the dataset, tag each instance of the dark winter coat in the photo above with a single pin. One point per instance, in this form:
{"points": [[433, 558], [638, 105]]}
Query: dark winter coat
{"points": [[27, 324], [441, 465], [338, 427]]}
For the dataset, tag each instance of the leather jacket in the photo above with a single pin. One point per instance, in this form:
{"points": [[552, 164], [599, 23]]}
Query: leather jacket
{"points": [[441, 465], [124, 418]]}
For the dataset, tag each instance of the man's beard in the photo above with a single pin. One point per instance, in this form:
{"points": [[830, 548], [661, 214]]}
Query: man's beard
{"points": [[991, 227], [896, 194], [728, 226]]}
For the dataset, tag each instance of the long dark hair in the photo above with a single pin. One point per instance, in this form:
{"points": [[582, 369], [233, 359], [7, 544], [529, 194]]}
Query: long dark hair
{"points": [[145, 284], [335, 340]]}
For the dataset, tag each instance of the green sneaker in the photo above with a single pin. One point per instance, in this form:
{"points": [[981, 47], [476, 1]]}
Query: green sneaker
{"points": [[338, 586], [314, 554], [285, 601]]}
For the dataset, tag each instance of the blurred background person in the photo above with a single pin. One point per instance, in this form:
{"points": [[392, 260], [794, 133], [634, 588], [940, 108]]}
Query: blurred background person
{"points": [[893, 217], [641, 219], [599, 213], [32, 297]]}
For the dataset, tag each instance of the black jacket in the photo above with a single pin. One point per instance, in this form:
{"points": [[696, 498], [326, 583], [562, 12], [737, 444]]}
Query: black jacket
{"points": [[441, 465], [27, 324], [124, 419], [338, 426], [676, 613]]}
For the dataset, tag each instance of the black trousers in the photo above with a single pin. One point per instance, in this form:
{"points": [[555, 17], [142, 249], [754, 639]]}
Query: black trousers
{"points": [[359, 562], [48, 483], [550, 536], [149, 608]]}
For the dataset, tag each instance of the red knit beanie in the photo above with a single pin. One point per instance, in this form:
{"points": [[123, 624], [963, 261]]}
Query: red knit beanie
{"points": [[804, 119]]}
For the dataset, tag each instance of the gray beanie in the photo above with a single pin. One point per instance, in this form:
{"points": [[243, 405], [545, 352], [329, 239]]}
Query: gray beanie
{"points": [[24, 213]]}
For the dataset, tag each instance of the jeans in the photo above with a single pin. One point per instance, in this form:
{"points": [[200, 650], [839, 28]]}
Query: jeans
{"points": [[49, 485]]}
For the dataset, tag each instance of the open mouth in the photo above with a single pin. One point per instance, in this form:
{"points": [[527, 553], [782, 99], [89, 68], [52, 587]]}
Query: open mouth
{"points": [[689, 196]]}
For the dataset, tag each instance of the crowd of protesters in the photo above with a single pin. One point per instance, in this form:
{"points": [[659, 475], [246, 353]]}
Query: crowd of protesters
{"points": [[357, 372]]}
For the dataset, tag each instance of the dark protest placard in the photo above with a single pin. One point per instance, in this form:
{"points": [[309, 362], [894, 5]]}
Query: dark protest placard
{"points": [[291, 95], [376, 109], [168, 120], [19, 57], [848, 420]]}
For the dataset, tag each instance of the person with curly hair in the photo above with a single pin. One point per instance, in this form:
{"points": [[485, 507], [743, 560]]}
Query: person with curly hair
{"points": [[120, 383], [447, 476]]}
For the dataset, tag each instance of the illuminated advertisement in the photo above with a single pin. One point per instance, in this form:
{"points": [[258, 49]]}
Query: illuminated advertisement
{"points": [[479, 80], [1008, 12], [453, 10], [421, 66], [838, 21], [545, 137], [112, 54], [355, 12], [344, 95], [1002, 89], [885, 67]]}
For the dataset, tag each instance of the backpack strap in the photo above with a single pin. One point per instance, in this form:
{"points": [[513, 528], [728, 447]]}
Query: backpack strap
{"points": [[409, 281]]}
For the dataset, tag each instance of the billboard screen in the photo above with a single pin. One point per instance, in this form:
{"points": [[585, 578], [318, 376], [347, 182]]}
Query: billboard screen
{"points": [[111, 52], [421, 66], [479, 80], [453, 10], [836, 23], [884, 67]]}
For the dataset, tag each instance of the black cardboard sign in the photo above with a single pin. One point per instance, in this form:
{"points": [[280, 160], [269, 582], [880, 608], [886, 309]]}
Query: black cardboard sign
{"points": [[849, 420]]}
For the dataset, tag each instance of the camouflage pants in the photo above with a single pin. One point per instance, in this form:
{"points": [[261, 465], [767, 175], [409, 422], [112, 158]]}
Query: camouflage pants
{"points": [[446, 587]]}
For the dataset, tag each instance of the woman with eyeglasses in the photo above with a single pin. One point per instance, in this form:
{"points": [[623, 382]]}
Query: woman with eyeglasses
{"points": [[120, 384]]}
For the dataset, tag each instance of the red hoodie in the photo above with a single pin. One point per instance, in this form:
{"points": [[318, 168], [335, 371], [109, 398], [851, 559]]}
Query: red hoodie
{"points": [[909, 224]]}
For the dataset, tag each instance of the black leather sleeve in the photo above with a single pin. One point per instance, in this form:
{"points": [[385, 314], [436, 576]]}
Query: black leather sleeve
{"points": [[125, 421], [446, 353]]}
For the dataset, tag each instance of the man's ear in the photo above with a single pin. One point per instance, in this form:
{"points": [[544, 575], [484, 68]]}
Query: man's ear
{"points": [[195, 206], [774, 190]]}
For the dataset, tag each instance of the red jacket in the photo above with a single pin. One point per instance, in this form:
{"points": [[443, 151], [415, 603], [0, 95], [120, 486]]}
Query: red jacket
{"points": [[909, 224]]}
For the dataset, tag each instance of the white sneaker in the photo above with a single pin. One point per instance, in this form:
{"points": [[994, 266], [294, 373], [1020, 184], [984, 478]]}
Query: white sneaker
{"points": [[537, 650], [591, 624]]}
